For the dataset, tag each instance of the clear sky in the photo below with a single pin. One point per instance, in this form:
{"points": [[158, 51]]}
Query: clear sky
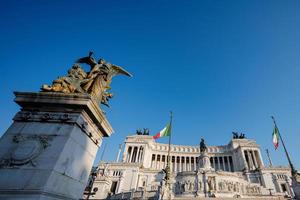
{"points": [[220, 66]]}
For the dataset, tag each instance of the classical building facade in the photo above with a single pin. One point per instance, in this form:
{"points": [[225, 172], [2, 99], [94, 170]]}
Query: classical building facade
{"points": [[233, 170]]}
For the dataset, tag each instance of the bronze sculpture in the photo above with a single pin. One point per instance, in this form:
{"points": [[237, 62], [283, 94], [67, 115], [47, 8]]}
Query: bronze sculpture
{"points": [[96, 82], [145, 131], [235, 135], [203, 147]]}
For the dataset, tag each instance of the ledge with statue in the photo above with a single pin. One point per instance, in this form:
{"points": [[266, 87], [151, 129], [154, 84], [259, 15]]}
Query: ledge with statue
{"points": [[55, 136]]}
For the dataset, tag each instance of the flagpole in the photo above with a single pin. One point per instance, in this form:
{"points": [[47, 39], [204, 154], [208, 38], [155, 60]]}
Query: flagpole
{"points": [[171, 116], [168, 169], [269, 157], [286, 152]]}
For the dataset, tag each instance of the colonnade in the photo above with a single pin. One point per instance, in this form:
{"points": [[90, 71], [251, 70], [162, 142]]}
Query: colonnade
{"points": [[252, 159], [135, 154], [190, 163], [177, 163], [223, 163]]}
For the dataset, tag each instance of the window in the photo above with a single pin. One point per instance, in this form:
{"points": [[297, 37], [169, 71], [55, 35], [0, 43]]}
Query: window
{"points": [[283, 187], [113, 187]]}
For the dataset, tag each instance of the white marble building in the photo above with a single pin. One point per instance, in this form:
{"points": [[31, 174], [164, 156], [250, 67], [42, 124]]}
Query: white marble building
{"points": [[237, 170]]}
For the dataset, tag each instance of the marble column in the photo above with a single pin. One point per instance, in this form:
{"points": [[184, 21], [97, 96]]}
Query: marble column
{"points": [[135, 152], [254, 159], [157, 161], [228, 163], [138, 154], [257, 155], [219, 163], [175, 163], [131, 153], [160, 162], [250, 159], [186, 164], [153, 161], [260, 159], [180, 167], [49, 150], [223, 163], [142, 155], [128, 154], [125, 154]]}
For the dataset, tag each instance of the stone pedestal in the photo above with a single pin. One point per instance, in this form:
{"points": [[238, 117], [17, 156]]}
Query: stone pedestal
{"points": [[49, 150], [166, 192], [204, 162]]}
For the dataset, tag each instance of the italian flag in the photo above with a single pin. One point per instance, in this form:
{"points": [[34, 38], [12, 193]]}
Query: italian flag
{"points": [[275, 137], [165, 132]]}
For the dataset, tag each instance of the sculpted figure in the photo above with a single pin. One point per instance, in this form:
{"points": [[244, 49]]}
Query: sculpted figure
{"points": [[211, 183], [199, 185], [146, 131], [242, 136], [222, 186], [96, 82], [203, 147], [186, 186], [192, 186], [235, 135], [70, 83], [138, 132], [235, 187], [100, 76], [106, 97]]}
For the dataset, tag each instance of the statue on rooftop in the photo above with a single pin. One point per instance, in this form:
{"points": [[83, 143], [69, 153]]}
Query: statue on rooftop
{"points": [[145, 131], [236, 135], [242, 136], [139, 132], [96, 82]]}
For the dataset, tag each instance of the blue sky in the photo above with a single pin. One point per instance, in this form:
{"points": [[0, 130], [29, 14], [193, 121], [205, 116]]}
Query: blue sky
{"points": [[220, 66]]}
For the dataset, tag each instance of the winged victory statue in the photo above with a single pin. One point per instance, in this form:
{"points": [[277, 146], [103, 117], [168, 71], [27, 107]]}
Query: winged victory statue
{"points": [[96, 82]]}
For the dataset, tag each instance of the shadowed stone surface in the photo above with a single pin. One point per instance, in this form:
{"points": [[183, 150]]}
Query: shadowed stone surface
{"points": [[48, 151]]}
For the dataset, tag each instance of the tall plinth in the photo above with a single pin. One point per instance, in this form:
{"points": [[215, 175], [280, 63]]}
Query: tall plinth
{"points": [[49, 150]]}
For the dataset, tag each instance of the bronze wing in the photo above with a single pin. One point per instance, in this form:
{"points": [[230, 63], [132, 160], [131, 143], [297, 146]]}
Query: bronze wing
{"points": [[87, 60], [115, 70]]}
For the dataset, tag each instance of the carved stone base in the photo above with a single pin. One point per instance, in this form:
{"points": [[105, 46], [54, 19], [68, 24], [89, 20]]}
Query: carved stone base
{"points": [[204, 162], [48, 151], [166, 191]]}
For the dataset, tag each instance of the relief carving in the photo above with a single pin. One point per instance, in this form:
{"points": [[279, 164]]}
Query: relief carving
{"points": [[26, 150], [211, 181]]}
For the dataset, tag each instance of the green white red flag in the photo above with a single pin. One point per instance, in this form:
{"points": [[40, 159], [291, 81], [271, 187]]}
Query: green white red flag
{"points": [[164, 132], [275, 136]]}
